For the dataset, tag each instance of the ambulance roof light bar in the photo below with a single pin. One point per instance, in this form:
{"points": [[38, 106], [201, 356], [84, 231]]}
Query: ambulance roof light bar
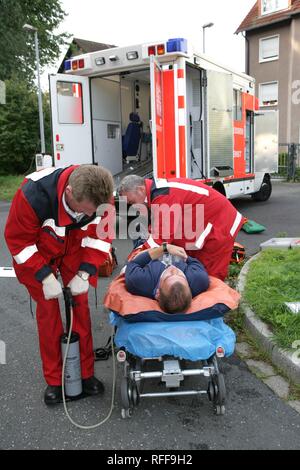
{"points": [[74, 64], [171, 46]]}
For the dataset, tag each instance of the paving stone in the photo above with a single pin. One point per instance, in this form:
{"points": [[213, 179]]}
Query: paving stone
{"points": [[295, 404], [244, 349], [278, 385], [261, 368]]}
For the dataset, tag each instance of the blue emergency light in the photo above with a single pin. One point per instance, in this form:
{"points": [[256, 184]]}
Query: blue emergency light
{"points": [[67, 65], [177, 45]]}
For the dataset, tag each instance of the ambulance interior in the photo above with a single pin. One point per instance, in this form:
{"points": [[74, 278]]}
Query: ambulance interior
{"points": [[121, 115], [121, 111]]}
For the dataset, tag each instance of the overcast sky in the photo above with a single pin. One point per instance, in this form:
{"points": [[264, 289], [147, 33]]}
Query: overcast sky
{"points": [[129, 22]]}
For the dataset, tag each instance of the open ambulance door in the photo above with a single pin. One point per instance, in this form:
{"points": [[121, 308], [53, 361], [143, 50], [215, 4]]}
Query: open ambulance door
{"points": [[266, 142], [165, 124], [71, 120], [157, 118], [220, 123]]}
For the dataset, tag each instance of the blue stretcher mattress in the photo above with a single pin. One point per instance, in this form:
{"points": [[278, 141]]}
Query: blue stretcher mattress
{"points": [[191, 340]]}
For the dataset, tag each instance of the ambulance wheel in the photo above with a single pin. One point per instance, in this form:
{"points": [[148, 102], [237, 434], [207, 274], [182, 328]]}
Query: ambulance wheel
{"points": [[265, 191]]}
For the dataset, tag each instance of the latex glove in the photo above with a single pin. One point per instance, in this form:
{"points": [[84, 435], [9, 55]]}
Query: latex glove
{"points": [[52, 288], [79, 285]]}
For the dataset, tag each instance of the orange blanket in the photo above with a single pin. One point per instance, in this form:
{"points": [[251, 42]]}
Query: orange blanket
{"points": [[118, 299]]}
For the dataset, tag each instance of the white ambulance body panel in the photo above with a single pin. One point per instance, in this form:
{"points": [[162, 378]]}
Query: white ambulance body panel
{"points": [[71, 120]]}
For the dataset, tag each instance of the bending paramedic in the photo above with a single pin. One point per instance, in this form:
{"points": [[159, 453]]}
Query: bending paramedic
{"points": [[51, 229]]}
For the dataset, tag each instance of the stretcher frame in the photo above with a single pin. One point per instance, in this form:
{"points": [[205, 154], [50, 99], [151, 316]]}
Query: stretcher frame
{"points": [[172, 373]]}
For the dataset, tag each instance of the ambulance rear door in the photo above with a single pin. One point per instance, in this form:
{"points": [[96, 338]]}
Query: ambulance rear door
{"points": [[157, 118], [71, 120], [266, 141]]}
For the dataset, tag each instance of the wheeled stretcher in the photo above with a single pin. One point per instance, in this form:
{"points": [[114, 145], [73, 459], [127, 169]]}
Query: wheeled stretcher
{"points": [[171, 348]]}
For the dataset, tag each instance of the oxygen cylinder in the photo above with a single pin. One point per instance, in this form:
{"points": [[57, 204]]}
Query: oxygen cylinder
{"points": [[73, 383]]}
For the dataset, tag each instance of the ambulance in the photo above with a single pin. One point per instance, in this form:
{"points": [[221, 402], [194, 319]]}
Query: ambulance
{"points": [[188, 116]]}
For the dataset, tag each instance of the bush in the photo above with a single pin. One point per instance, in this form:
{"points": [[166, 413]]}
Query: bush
{"points": [[19, 127]]}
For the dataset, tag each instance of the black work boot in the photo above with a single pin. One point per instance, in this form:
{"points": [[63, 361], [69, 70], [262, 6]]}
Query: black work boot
{"points": [[92, 386], [53, 395]]}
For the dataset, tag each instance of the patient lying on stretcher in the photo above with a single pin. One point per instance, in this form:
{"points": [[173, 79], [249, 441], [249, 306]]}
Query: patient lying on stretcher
{"points": [[168, 275]]}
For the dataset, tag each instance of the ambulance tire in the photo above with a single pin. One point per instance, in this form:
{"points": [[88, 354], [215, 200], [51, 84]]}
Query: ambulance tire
{"points": [[265, 191], [218, 186]]}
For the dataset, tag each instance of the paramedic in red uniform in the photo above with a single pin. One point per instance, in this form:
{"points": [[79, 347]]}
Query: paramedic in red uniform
{"points": [[221, 222], [51, 227]]}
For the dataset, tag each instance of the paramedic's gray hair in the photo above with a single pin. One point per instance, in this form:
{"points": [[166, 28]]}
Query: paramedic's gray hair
{"points": [[130, 183]]}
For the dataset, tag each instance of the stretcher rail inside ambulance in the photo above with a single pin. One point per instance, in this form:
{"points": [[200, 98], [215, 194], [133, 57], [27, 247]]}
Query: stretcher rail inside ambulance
{"points": [[163, 109]]}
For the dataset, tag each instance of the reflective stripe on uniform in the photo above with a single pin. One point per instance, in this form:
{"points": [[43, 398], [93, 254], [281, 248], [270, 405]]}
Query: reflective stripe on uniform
{"points": [[161, 183], [236, 224], [152, 243], [25, 254], [60, 231], [100, 245], [37, 175], [96, 221], [201, 240]]}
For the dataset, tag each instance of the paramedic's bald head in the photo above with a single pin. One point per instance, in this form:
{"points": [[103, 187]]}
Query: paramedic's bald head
{"points": [[133, 188]]}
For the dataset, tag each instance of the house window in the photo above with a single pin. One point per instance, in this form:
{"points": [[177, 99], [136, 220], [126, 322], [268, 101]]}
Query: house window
{"points": [[271, 6], [269, 49], [268, 94], [237, 105]]}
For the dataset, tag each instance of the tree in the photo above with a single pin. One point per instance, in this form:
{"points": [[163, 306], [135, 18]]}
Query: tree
{"points": [[17, 46], [19, 124]]}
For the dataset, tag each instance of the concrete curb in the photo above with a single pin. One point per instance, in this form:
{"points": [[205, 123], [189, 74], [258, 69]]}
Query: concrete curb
{"points": [[286, 361]]}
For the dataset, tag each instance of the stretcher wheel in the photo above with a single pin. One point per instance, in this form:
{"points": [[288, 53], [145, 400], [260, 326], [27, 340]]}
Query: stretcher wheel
{"points": [[135, 396], [125, 393], [126, 413], [211, 391], [221, 390], [220, 410]]}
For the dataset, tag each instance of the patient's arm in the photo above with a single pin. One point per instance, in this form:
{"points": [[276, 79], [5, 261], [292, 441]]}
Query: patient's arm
{"points": [[138, 278]]}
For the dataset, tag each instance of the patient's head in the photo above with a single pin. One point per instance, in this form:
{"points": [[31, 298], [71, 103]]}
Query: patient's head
{"points": [[174, 294]]}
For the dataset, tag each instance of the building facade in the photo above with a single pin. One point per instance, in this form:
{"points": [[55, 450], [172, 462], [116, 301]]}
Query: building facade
{"points": [[272, 34]]}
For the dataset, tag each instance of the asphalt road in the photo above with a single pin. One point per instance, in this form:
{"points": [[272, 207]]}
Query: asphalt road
{"points": [[255, 418]]}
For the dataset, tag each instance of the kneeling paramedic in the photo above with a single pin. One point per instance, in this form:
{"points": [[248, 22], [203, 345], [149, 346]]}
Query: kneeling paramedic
{"points": [[51, 228]]}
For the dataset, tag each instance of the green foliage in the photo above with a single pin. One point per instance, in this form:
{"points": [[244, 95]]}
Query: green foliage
{"points": [[17, 46], [8, 186], [274, 279], [19, 124], [19, 117]]}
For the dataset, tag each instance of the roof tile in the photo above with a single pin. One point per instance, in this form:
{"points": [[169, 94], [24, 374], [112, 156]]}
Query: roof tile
{"points": [[254, 20]]}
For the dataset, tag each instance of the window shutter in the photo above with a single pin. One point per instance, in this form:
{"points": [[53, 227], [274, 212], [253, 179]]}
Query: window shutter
{"points": [[269, 48]]}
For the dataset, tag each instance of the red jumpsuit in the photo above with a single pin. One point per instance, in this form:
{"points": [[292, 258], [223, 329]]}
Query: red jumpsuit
{"points": [[43, 238], [207, 227]]}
